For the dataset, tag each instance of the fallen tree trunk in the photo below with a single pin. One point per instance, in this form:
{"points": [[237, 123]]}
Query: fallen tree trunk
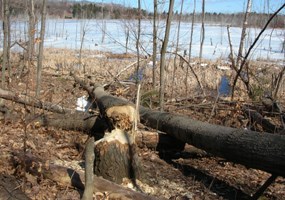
{"points": [[68, 177], [10, 188], [256, 117], [262, 151], [91, 123]]}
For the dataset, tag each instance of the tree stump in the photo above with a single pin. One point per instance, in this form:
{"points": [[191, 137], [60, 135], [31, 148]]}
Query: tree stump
{"points": [[116, 153]]}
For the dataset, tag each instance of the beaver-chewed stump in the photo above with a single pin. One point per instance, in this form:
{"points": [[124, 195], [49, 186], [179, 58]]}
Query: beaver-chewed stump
{"points": [[116, 154], [116, 157]]}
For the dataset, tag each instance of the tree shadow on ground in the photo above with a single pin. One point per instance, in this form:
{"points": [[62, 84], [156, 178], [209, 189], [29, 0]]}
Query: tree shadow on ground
{"points": [[220, 187]]}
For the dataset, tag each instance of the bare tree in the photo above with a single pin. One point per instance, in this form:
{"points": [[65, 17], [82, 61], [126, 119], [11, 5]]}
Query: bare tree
{"points": [[103, 24], [5, 13], [154, 42], [190, 45], [238, 75], [162, 57], [176, 48], [138, 41], [127, 34], [31, 44], [192, 28], [9, 38], [202, 30], [41, 49], [243, 32]]}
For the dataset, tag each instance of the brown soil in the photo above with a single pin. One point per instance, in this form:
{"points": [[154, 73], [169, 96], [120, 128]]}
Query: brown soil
{"points": [[172, 175]]}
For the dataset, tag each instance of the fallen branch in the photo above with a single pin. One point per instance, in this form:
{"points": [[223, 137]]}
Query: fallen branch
{"points": [[68, 177], [256, 117], [26, 100]]}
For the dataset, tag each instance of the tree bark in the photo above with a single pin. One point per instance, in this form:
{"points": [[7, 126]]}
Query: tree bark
{"points": [[262, 151]]}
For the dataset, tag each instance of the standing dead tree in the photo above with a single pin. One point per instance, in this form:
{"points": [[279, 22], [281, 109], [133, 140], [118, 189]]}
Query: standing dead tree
{"points": [[5, 61], [243, 32], [138, 42], [163, 52], [154, 38], [176, 49], [32, 30], [190, 46], [41, 49], [202, 30]]}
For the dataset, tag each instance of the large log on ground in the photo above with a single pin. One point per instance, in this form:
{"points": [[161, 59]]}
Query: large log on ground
{"points": [[262, 151], [68, 177]]}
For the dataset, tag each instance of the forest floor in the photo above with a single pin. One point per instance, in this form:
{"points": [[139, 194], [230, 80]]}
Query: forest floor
{"points": [[189, 174]]}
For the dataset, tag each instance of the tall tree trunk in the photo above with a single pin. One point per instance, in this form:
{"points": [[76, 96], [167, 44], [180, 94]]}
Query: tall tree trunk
{"points": [[190, 46], [243, 32], [5, 13], [9, 40], [154, 42], [202, 30], [31, 45], [41, 49], [103, 24], [138, 42], [83, 32], [162, 57], [176, 49]]}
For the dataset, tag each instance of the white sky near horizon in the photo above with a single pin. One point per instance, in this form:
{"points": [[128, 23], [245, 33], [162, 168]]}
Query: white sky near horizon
{"points": [[218, 6]]}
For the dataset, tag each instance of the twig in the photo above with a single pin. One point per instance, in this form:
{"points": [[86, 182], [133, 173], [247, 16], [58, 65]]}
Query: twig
{"points": [[137, 111], [214, 107]]}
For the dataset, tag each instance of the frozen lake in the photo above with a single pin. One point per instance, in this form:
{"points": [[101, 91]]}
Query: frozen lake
{"points": [[110, 36]]}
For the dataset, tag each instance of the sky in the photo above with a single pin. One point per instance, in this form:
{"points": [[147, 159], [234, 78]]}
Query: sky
{"points": [[218, 6]]}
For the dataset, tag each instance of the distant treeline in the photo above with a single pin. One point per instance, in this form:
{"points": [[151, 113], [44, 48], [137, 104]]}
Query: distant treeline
{"points": [[73, 9]]}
